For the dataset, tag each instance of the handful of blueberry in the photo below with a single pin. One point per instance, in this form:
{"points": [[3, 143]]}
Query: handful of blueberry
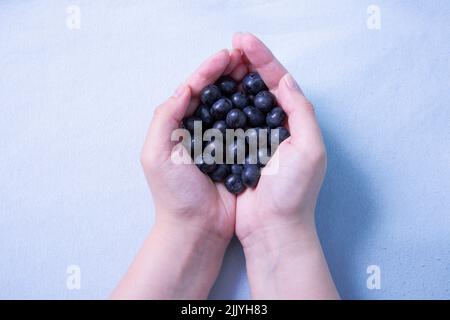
{"points": [[252, 114]]}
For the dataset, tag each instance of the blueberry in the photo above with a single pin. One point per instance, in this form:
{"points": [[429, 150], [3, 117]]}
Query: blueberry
{"points": [[220, 173], [236, 168], [250, 175], [260, 136], [275, 117], [255, 117], [227, 85], [264, 101], [220, 108], [190, 146], [203, 113], [210, 94], [220, 125], [239, 100], [188, 123], [236, 119], [234, 183], [235, 152], [280, 134], [203, 166], [252, 83], [217, 149], [259, 157]]}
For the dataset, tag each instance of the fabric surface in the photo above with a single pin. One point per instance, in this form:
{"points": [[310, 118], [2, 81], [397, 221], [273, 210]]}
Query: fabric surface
{"points": [[75, 104]]}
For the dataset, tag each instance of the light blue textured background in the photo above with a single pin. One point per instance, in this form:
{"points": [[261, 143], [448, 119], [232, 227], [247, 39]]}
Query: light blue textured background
{"points": [[75, 106]]}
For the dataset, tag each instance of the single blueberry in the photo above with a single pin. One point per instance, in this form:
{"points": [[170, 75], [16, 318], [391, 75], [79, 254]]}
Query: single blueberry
{"points": [[234, 183], [250, 175], [189, 122], [220, 125], [236, 119], [259, 157], [216, 149], [227, 85], [203, 166], [252, 83], [279, 134], [264, 101], [203, 113], [210, 94], [255, 117], [235, 152], [275, 117], [220, 108], [220, 173], [257, 136], [192, 144], [236, 168], [239, 100]]}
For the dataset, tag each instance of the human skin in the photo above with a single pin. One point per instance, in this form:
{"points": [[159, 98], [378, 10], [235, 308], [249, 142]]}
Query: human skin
{"points": [[275, 221], [196, 218]]}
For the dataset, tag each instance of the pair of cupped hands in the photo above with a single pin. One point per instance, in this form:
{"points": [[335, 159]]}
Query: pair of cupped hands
{"points": [[185, 198]]}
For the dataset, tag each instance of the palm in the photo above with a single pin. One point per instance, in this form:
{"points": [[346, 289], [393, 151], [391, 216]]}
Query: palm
{"points": [[292, 188]]}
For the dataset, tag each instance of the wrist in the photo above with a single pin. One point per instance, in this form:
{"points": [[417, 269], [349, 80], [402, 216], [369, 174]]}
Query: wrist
{"points": [[191, 237], [278, 235], [195, 226]]}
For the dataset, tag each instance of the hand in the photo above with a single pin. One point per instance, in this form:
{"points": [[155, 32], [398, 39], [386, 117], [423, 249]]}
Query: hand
{"points": [[195, 218], [275, 222], [182, 194], [289, 196]]}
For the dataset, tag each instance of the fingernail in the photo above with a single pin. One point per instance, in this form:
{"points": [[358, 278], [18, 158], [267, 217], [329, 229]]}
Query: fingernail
{"points": [[180, 90], [291, 83]]}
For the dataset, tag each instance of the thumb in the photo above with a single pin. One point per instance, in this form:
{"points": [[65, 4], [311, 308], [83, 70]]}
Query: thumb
{"points": [[166, 118], [301, 118]]}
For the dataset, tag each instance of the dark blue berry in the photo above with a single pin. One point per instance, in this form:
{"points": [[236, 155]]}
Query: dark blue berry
{"points": [[220, 108], [279, 134], [203, 113], [236, 119], [220, 173], [227, 85], [203, 166], [250, 175], [239, 100], [234, 183], [252, 83], [264, 101], [235, 152], [255, 117], [260, 136], [275, 117], [236, 168], [220, 125], [210, 94], [188, 123], [216, 149], [259, 157]]}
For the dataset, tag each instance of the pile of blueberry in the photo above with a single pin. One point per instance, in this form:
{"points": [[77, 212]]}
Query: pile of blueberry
{"points": [[229, 105]]}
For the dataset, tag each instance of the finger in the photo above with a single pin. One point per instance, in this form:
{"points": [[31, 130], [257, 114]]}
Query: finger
{"points": [[302, 121], [235, 60], [239, 72], [260, 58], [208, 72], [166, 118]]}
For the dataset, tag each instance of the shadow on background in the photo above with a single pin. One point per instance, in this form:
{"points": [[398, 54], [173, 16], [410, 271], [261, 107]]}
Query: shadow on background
{"points": [[344, 215], [232, 280]]}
